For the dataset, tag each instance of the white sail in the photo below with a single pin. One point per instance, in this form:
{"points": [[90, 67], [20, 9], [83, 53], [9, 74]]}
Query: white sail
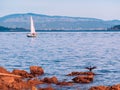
{"points": [[32, 29], [32, 26]]}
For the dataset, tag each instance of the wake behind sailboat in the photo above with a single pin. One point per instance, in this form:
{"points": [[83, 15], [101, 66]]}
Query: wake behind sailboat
{"points": [[32, 29]]}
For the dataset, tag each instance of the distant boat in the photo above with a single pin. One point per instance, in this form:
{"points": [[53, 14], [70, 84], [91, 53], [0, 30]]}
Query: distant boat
{"points": [[32, 29]]}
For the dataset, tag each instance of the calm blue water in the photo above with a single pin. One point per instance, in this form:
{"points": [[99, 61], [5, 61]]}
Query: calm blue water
{"points": [[60, 53]]}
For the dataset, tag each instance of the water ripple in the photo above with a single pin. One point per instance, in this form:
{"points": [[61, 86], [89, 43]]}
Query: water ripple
{"points": [[61, 53]]}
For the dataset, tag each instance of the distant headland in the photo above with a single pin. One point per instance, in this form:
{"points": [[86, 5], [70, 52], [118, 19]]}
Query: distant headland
{"points": [[21, 22]]}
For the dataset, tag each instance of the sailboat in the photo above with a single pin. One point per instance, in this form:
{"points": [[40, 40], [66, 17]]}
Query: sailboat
{"points": [[32, 29]]}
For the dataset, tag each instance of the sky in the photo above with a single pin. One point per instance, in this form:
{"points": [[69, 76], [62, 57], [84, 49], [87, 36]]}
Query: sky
{"points": [[101, 9]]}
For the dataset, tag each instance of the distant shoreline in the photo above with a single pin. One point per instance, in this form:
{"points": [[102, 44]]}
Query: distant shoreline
{"points": [[62, 31]]}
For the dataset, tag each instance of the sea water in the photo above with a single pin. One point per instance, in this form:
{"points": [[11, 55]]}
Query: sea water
{"points": [[60, 53]]}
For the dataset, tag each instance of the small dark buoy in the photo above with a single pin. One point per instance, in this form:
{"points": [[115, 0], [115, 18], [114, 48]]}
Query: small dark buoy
{"points": [[90, 68]]}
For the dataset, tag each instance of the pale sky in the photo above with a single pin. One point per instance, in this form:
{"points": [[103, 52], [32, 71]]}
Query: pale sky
{"points": [[101, 9]]}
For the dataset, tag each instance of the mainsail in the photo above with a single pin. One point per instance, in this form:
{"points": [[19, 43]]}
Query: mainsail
{"points": [[32, 26], [32, 29]]}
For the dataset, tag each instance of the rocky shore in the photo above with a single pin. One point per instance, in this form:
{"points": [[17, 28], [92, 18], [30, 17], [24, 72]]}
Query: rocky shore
{"points": [[23, 80]]}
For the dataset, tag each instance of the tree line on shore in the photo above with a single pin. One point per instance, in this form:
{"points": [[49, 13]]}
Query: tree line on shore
{"points": [[7, 29]]}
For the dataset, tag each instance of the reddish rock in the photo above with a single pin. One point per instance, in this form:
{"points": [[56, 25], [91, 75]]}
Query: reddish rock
{"points": [[80, 73], [22, 73], [12, 83], [34, 88], [50, 80], [100, 88], [3, 87], [36, 70], [20, 86], [35, 82], [54, 80], [65, 83], [8, 80], [116, 87], [3, 70], [83, 79], [5, 82]]}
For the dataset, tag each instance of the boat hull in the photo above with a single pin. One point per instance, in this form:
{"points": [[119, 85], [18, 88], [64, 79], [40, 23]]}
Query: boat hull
{"points": [[31, 35]]}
